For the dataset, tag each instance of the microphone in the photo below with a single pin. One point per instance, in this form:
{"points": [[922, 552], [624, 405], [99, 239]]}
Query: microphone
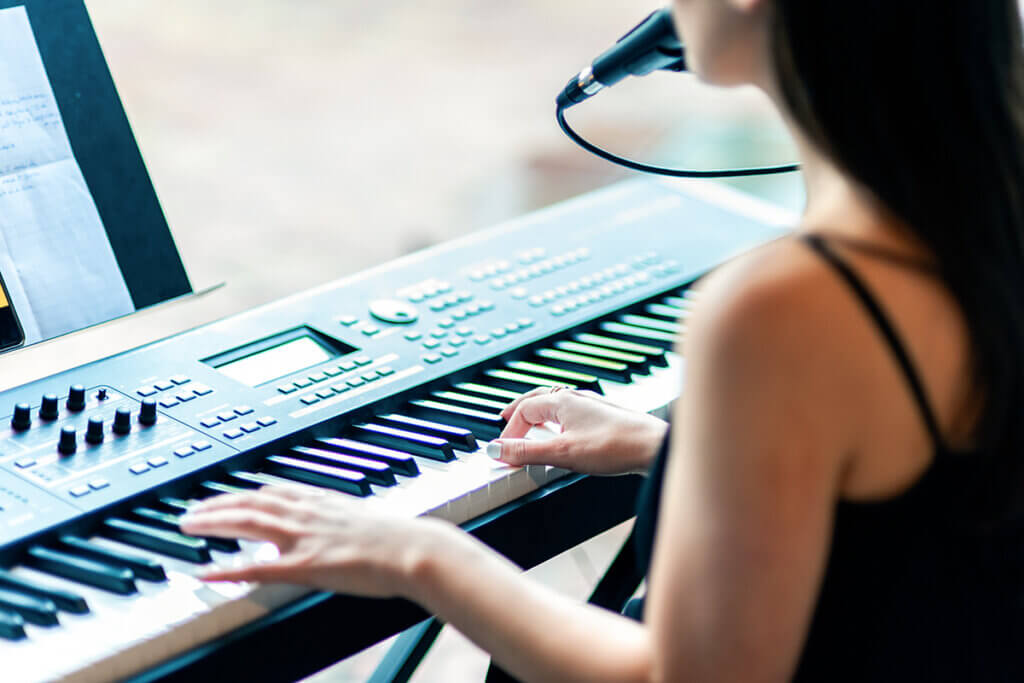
{"points": [[651, 46]]}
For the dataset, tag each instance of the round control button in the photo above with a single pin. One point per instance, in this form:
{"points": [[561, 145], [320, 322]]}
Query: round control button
{"points": [[393, 311]]}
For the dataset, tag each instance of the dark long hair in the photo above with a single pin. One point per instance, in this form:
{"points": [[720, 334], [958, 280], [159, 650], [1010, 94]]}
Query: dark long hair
{"points": [[923, 104]]}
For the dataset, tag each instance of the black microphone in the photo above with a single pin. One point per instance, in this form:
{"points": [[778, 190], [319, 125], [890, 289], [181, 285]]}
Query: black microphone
{"points": [[651, 46]]}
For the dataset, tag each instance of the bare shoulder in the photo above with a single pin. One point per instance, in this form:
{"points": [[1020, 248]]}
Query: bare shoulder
{"points": [[777, 328]]}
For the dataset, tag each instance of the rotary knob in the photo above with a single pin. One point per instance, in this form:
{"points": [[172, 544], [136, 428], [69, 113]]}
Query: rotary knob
{"points": [[94, 432], [76, 398], [68, 443], [122, 421], [49, 410], [147, 415], [393, 311], [22, 418]]}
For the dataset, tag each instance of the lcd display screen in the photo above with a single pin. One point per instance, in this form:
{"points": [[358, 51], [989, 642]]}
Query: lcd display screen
{"points": [[277, 361]]}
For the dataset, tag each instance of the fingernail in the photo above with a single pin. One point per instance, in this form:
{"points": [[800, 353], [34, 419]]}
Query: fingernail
{"points": [[494, 450]]}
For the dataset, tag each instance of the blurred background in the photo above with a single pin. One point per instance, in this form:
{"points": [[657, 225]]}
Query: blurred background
{"points": [[295, 141], [292, 142]]}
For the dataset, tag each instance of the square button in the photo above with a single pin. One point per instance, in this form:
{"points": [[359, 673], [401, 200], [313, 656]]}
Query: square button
{"points": [[163, 386], [317, 377], [431, 344], [22, 463], [180, 379], [432, 358], [80, 491], [332, 372], [340, 388], [446, 323], [250, 427], [449, 353], [202, 446], [243, 410], [371, 377], [349, 320], [482, 340], [201, 390], [145, 392], [210, 422], [325, 393], [385, 370], [303, 383], [157, 461], [413, 336], [234, 433], [226, 417], [356, 382], [464, 331], [362, 360], [287, 388], [139, 468], [184, 396], [347, 365], [184, 451], [310, 400], [169, 403], [266, 421], [438, 334], [457, 342], [98, 484], [370, 330]]}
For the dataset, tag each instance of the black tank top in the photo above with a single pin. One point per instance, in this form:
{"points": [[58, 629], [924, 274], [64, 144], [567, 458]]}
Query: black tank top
{"points": [[910, 591]]}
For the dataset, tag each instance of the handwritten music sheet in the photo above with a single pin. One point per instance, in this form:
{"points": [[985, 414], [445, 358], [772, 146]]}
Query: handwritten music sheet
{"points": [[55, 256]]}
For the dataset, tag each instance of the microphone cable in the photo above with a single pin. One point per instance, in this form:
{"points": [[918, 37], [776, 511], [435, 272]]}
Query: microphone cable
{"points": [[652, 45]]}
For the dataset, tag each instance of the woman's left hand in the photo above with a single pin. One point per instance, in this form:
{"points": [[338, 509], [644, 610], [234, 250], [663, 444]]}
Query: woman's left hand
{"points": [[325, 540]]}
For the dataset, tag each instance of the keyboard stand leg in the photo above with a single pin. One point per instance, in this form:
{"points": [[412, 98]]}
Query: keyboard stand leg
{"points": [[407, 653]]}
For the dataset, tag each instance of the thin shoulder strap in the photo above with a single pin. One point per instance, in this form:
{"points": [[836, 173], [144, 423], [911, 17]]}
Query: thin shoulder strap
{"points": [[870, 303]]}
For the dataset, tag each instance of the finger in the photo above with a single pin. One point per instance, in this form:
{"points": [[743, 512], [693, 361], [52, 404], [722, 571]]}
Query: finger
{"points": [[252, 525], [510, 409], [256, 500], [534, 410], [272, 572], [520, 452]]}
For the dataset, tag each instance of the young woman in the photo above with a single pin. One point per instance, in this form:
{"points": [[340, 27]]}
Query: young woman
{"points": [[838, 497]]}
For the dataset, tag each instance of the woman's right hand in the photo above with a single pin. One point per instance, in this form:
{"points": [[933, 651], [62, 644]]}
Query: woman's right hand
{"points": [[597, 437]]}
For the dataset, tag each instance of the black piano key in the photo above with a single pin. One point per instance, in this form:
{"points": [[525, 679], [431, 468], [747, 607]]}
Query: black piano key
{"points": [[217, 487], [636, 362], [400, 462], [143, 567], [664, 340], [468, 400], [666, 311], [496, 393], [652, 323], [172, 522], [12, 626], [34, 610], [616, 371], [520, 381], [163, 541], [580, 380], [65, 600], [83, 570], [404, 440], [323, 476], [654, 354], [376, 471], [485, 425], [460, 439], [181, 504]]}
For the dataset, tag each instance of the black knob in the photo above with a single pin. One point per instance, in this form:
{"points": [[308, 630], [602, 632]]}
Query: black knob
{"points": [[68, 443], [147, 416], [101, 394], [94, 432], [76, 398], [22, 418], [49, 410], [122, 421]]}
